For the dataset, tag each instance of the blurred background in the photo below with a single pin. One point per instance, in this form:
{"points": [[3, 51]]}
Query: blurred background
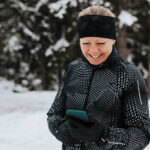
{"points": [[38, 38]]}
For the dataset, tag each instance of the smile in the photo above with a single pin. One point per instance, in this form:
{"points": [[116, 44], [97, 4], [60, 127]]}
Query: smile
{"points": [[96, 56]]}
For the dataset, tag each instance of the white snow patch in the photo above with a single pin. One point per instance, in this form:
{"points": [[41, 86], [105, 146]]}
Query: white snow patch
{"points": [[59, 45], [96, 2], [31, 34], [126, 18], [45, 24], [34, 50], [24, 7], [7, 87], [11, 71], [130, 58], [39, 4], [25, 82], [148, 1], [13, 44], [107, 4], [28, 8], [60, 7], [24, 122], [36, 82], [24, 67]]}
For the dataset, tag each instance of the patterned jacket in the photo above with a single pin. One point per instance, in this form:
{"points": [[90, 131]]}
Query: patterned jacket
{"points": [[114, 93]]}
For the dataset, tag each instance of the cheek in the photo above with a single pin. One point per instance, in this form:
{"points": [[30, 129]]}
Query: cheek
{"points": [[84, 49]]}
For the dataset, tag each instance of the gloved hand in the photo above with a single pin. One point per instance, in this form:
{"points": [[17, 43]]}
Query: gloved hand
{"points": [[64, 134], [86, 132]]}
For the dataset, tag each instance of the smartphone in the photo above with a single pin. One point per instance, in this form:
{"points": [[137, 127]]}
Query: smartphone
{"points": [[78, 114]]}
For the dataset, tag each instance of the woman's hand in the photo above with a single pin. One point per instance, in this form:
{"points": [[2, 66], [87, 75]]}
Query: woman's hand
{"points": [[64, 134], [87, 132]]}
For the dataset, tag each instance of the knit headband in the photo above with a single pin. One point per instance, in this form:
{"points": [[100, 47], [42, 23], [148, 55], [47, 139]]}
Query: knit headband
{"points": [[97, 26]]}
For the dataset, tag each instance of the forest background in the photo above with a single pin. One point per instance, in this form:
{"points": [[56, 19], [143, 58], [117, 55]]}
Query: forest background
{"points": [[38, 38]]}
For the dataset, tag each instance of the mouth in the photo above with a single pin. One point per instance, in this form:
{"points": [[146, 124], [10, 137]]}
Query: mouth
{"points": [[95, 57]]}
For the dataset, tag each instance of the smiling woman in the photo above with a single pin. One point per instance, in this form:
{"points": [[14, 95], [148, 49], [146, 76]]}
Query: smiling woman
{"points": [[110, 90], [96, 49]]}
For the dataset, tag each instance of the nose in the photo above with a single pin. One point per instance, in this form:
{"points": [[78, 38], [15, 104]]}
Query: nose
{"points": [[94, 50]]}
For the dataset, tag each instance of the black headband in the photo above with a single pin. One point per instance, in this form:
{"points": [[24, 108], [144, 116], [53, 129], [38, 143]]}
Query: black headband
{"points": [[97, 26]]}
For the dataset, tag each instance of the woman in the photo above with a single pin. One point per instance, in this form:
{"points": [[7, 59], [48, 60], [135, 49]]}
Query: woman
{"points": [[111, 90]]}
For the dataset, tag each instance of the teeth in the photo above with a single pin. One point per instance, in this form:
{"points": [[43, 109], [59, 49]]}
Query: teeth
{"points": [[95, 56]]}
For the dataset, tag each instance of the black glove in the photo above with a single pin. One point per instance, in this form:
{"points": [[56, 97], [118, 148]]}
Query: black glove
{"points": [[86, 132], [64, 134]]}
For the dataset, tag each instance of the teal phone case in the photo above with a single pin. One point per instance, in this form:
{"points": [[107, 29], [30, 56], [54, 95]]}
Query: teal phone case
{"points": [[78, 114]]}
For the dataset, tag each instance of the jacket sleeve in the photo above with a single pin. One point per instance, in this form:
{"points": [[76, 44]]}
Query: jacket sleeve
{"points": [[136, 133], [57, 109]]}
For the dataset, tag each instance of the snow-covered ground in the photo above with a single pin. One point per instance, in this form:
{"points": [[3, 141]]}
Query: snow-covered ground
{"points": [[23, 124]]}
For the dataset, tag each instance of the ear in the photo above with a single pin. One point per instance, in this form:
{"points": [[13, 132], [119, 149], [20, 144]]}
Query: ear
{"points": [[80, 42], [113, 42]]}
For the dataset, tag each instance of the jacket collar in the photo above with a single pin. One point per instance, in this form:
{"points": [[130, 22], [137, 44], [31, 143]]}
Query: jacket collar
{"points": [[111, 58]]}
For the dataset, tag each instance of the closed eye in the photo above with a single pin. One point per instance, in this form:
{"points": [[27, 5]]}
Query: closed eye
{"points": [[97, 43], [100, 43], [86, 43]]}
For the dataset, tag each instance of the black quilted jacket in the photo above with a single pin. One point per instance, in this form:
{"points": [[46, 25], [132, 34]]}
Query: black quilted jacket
{"points": [[114, 93]]}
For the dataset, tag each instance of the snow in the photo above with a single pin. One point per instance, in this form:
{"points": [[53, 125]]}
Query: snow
{"points": [[45, 25], [24, 67], [60, 7], [7, 87], [13, 44], [130, 58], [36, 49], [140, 65], [62, 42], [107, 4], [49, 51], [23, 120], [25, 82], [28, 8], [23, 6], [148, 1], [11, 71], [36, 82], [126, 18], [30, 33], [39, 4], [96, 2]]}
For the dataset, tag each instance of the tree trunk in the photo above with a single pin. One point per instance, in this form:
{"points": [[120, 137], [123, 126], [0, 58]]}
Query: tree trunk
{"points": [[60, 68], [122, 36], [44, 77], [121, 42]]}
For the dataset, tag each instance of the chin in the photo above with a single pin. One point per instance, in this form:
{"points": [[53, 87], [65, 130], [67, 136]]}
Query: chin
{"points": [[95, 63]]}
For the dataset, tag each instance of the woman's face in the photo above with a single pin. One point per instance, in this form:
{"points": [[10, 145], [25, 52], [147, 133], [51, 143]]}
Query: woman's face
{"points": [[96, 49]]}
